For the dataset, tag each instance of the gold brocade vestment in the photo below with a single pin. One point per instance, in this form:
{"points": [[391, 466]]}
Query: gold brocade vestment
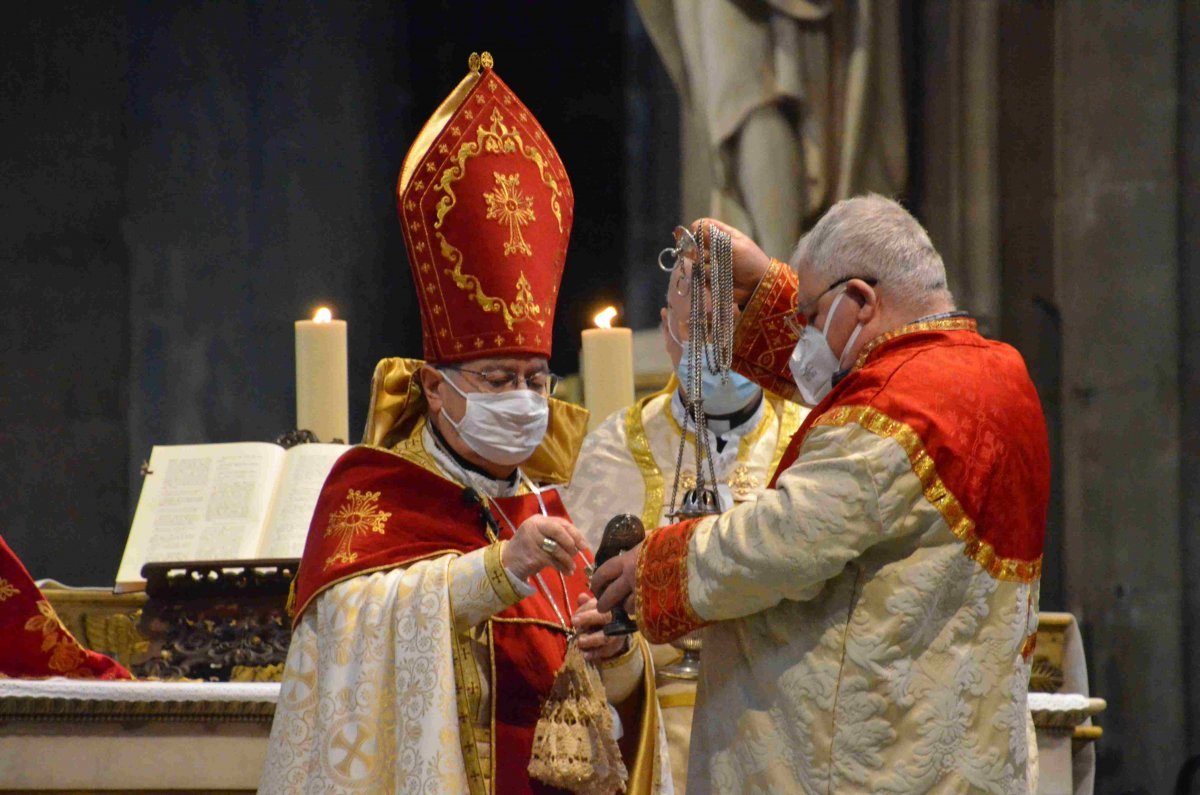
{"points": [[391, 682], [627, 465], [870, 618]]}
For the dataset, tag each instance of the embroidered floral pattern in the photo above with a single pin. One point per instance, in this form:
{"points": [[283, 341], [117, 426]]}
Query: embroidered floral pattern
{"points": [[386, 685], [7, 589], [764, 341], [900, 672], [664, 612], [66, 655], [523, 306], [936, 491]]}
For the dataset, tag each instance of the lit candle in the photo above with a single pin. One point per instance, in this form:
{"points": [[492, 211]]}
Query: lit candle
{"points": [[607, 364], [322, 400]]}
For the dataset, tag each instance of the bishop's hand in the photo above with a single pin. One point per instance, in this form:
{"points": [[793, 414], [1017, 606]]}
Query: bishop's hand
{"points": [[615, 581], [589, 623], [539, 542], [750, 262]]}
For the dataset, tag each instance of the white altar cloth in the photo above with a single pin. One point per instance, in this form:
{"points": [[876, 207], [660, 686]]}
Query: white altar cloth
{"points": [[65, 734], [79, 735], [145, 691]]}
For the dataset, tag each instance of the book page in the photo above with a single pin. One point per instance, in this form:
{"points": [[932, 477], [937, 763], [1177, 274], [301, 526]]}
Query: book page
{"points": [[305, 467], [201, 502]]}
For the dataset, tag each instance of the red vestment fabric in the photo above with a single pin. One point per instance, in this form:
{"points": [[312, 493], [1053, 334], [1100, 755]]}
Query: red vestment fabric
{"points": [[486, 209], [378, 511], [962, 407], [35, 644]]}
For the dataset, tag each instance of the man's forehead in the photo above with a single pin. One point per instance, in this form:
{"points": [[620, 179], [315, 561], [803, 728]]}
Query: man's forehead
{"points": [[520, 364]]}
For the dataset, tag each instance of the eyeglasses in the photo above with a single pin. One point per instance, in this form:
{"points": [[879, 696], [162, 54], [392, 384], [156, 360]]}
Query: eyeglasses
{"points": [[798, 320], [500, 379]]}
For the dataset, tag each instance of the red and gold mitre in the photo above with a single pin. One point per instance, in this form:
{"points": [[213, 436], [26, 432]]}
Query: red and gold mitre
{"points": [[486, 209]]}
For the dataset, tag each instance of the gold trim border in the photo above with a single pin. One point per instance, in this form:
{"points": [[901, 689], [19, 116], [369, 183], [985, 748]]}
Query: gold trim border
{"points": [[945, 324], [80, 710], [671, 700], [639, 449], [497, 576], [541, 622], [768, 367], [432, 129], [791, 417], [936, 492], [644, 773], [468, 692]]}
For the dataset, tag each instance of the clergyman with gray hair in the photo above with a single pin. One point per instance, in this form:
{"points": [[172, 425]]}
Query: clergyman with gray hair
{"points": [[869, 621]]}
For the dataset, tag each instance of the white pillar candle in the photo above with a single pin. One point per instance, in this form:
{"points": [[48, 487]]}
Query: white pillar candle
{"points": [[607, 364], [322, 399]]}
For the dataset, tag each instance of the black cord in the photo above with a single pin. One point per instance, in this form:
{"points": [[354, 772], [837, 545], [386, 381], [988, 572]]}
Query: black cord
{"points": [[472, 497]]}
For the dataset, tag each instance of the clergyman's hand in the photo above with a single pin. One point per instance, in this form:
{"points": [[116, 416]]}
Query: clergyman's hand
{"points": [[589, 623], [615, 581], [750, 262], [527, 552]]}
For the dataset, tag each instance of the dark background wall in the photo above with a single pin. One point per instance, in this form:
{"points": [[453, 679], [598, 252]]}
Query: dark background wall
{"points": [[65, 300], [183, 181]]}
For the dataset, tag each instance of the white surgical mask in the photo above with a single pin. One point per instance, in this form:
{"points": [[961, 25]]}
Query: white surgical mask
{"points": [[813, 363], [721, 395], [503, 427]]}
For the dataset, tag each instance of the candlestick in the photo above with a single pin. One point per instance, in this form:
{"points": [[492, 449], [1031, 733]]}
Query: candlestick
{"points": [[607, 364], [322, 398]]}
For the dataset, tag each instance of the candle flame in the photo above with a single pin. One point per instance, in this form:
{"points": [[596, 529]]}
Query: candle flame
{"points": [[604, 318], [323, 315]]}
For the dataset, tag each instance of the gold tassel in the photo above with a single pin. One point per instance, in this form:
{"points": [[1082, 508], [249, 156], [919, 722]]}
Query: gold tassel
{"points": [[290, 607], [573, 745]]}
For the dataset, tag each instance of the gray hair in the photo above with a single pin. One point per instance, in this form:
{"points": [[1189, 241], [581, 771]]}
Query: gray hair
{"points": [[872, 235]]}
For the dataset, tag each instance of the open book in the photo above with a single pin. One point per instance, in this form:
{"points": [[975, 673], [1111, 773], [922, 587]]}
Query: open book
{"points": [[241, 501]]}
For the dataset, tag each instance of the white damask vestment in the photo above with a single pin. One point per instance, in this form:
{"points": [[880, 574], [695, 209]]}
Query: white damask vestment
{"points": [[627, 465], [870, 619]]}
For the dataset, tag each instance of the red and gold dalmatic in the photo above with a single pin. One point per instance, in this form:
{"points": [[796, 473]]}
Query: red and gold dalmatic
{"points": [[870, 619], [416, 663], [35, 642]]}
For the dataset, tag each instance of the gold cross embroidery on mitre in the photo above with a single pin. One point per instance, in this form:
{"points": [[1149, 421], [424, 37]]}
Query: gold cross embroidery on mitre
{"points": [[359, 514], [509, 206]]}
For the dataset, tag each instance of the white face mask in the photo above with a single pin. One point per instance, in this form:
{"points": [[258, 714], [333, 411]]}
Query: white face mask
{"points": [[813, 363], [721, 395], [504, 427]]}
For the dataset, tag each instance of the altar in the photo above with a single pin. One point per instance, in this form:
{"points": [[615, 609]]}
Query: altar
{"points": [[210, 737], [102, 736]]}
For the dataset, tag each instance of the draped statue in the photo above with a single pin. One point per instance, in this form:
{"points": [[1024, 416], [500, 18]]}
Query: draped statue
{"points": [[791, 105]]}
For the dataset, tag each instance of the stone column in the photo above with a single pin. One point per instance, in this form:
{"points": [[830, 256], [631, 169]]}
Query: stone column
{"points": [[958, 158], [1189, 303], [1116, 281]]}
